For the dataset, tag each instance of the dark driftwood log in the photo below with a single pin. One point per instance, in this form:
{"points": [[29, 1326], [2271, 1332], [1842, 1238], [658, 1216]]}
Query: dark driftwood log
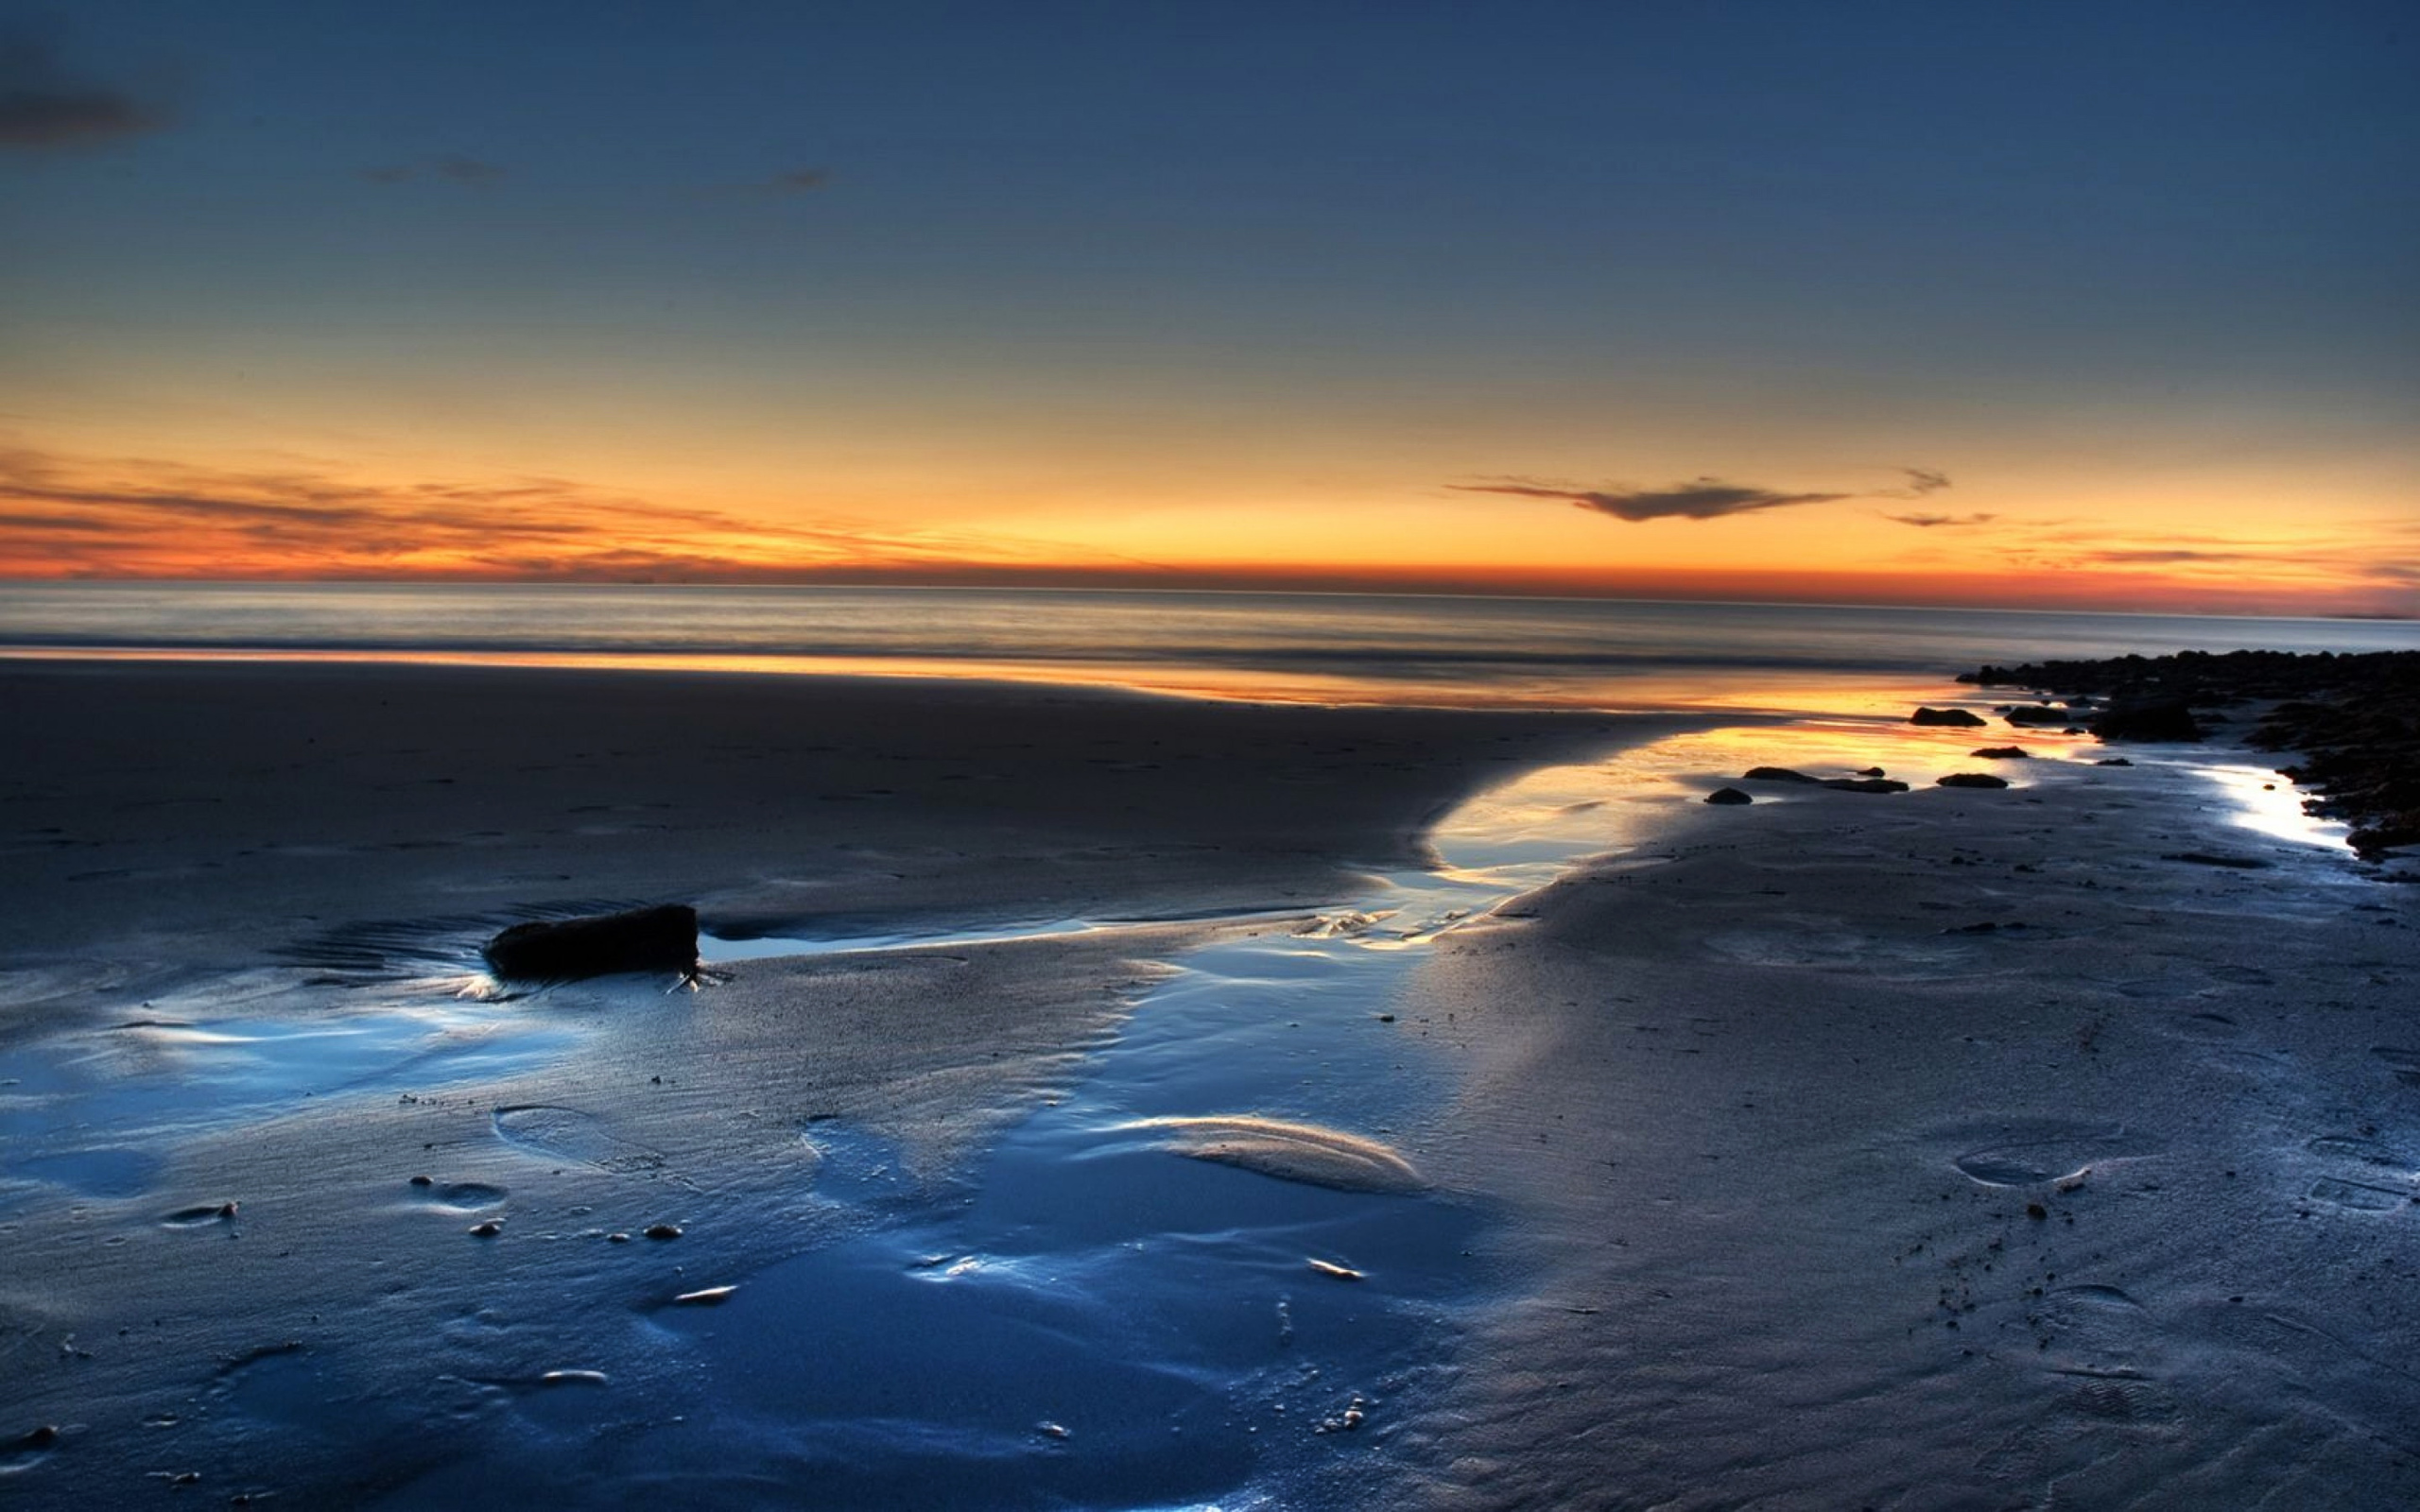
{"points": [[644, 939]]}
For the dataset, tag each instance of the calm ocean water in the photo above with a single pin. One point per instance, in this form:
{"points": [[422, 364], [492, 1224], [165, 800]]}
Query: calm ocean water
{"points": [[1329, 647]]}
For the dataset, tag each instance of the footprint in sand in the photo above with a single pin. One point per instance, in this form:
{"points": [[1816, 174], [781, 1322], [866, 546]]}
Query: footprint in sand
{"points": [[2357, 1195], [2404, 1063], [200, 1216], [2029, 1154], [568, 1134]]}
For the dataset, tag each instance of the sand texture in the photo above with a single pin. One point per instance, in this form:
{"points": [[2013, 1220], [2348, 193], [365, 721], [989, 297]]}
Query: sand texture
{"points": [[1963, 1151]]}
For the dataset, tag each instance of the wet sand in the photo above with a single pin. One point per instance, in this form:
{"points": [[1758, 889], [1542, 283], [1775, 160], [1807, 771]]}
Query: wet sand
{"points": [[1952, 1150], [1746, 1126], [239, 898]]}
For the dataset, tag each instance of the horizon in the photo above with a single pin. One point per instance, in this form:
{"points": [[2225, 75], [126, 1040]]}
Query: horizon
{"points": [[2063, 309]]}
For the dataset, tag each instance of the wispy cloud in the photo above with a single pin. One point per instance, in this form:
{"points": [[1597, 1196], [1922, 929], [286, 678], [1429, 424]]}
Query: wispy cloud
{"points": [[45, 108], [1928, 522], [452, 167], [68, 517], [1921, 481], [1704, 498]]}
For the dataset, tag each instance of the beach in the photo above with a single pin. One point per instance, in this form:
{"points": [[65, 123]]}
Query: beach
{"points": [[1936, 1148]]}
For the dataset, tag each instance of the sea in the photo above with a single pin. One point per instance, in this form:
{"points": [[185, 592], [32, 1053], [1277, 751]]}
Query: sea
{"points": [[1404, 649]]}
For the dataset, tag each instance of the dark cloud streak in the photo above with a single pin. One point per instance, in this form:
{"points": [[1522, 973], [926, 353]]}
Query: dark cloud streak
{"points": [[45, 108], [1703, 498], [1927, 522], [1700, 499]]}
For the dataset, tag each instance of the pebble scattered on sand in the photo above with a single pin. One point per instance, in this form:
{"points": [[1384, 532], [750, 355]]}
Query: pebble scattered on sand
{"points": [[662, 1231]]}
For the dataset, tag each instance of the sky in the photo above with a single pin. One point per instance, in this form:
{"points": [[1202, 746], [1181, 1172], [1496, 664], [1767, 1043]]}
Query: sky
{"points": [[2055, 305]]}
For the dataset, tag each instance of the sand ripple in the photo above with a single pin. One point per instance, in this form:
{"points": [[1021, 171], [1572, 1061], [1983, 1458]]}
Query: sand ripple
{"points": [[1292, 1152]]}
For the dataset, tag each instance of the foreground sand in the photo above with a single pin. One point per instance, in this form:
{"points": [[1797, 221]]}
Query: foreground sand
{"points": [[1756, 1117]]}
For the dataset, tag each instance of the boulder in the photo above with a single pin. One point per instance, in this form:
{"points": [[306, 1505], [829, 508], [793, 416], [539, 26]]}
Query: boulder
{"points": [[1728, 796], [664, 938], [2165, 720], [1972, 780], [1865, 784], [2039, 717], [1775, 774], [2003, 754], [1943, 716]]}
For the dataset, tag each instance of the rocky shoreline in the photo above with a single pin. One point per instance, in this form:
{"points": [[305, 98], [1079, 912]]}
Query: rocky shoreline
{"points": [[2353, 721]]}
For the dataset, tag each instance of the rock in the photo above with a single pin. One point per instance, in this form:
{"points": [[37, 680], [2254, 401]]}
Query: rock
{"points": [[2113, 761], [1774, 774], [1866, 784], [2165, 720], [2039, 717], [1728, 796], [644, 940], [1873, 771], [2205, 858], [1943, 716], [662, 1231], [1972, 780], [2003, 754]]}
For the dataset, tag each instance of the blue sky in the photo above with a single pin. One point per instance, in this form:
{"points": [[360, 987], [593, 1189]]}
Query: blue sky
{"points": [[1601, 241]]}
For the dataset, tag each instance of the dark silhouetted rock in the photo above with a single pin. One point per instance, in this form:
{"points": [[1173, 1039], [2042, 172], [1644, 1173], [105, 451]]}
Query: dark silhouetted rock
{"points": [[644, 940], [1972, 780], [1865, 784], [2039, 717], [1943, 716], [2003, 754], [2205, 858], [2112, 761], [1873, 771], [1775, 774], [1730, 795], [2168, 720]]}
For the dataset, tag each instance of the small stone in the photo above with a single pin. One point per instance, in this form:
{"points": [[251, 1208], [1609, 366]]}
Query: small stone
{"points": [[1729, 797], [1972, 780], [423, 1181], [617, 1239], [2036, 1212], [486, 1230], [662, 1231]]}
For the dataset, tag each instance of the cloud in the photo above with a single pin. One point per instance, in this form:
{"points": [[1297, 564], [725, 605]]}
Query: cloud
{"points": [[1927, 522], [69, 516], [1699, 499], [45, 108], [453, 166], [1703, 498]]}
